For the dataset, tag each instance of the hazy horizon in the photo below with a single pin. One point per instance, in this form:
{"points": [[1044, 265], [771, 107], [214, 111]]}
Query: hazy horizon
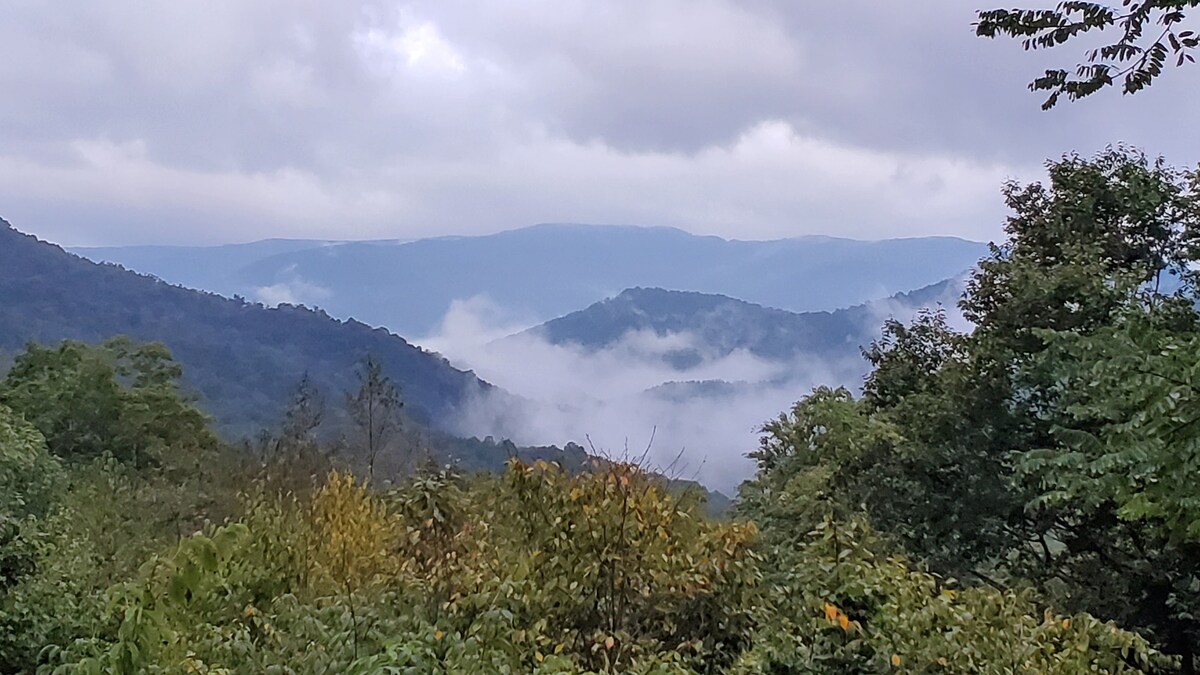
{"points": [[517, 228]]}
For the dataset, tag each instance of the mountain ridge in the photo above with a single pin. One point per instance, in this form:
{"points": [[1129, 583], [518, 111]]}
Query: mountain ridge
{"points": [[721, 325], [241, 358], [543, 271]]}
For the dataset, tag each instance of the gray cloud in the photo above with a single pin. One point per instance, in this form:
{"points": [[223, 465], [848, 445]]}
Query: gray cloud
{"points": [[190, 121]]}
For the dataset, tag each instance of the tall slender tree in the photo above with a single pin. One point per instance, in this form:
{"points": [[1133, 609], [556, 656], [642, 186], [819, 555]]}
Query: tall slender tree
{"points": [[304, 414], [374, 410]]}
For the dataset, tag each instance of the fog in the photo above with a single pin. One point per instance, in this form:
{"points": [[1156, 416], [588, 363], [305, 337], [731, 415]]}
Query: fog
{"points": [[601, 399]]}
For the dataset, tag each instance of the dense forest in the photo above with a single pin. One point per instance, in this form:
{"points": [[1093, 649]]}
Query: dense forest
{"points": [[1017, 499], [242, 358], [721, 325]]}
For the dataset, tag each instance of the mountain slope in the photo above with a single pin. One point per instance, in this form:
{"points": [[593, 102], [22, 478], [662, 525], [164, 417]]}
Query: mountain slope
{"points": [[718, 325], [540, 272], [242, 359], [209, 268]]}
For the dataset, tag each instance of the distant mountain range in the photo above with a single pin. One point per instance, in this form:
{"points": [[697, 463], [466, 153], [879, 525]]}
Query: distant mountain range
{"points": [[716, 326], [242, 359], [544, 271], [207, 268], [217, 269]]}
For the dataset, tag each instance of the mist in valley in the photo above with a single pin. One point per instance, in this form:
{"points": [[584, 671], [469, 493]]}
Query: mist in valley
{"points": [[698, 422]]}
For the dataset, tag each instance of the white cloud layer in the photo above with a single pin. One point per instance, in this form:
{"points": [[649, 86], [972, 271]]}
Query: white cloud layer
{"points": [[601, 397], [292, 292], [218, 120]]}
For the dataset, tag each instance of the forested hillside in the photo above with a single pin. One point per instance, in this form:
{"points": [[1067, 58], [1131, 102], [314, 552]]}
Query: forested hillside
{"points": [[1019, 499], [717, 325], [549, 270], [206, 268], [243, 359]]}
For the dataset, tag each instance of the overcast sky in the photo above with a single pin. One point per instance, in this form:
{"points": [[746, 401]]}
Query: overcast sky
{"points": [[211, 121]]}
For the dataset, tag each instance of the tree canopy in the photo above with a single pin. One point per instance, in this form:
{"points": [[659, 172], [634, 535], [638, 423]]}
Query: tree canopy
{"points": [[202, 562], [1055, 446], [120, 398]]}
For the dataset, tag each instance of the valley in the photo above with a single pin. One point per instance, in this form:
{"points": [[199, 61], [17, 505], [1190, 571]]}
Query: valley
{"points": [[685, 372]]}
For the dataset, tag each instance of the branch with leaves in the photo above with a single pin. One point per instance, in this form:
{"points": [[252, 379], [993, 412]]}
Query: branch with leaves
{"points": [[1149, 34]]}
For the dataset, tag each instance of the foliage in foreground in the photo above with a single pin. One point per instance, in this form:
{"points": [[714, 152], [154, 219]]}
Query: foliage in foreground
{"points": [[536, 570], [531, 571], [1053, 448]]}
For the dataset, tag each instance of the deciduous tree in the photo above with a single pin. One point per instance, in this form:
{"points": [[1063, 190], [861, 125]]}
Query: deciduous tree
{"points": [[1150, 34], [375, 411]]}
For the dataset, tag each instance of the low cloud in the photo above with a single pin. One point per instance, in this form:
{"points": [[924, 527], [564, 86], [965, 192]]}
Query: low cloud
{"points": [[292, 292], [946, 301], [608, 398]]}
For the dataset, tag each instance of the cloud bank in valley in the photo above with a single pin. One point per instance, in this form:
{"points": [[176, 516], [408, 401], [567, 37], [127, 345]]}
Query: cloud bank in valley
{"points": [[608, 396], [292, 289]]}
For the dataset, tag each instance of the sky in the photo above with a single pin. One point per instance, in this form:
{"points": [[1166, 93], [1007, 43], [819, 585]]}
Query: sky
{"points": [[216, 121]]}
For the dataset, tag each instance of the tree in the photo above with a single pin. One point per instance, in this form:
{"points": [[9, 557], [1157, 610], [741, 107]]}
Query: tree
{"points": [[1050, 445], [291, 456], [28, 472], [117, 398], [1107, 237], [304, 413], [840, 601], [1117, 474], [6, 361], [1148, 35], [1133, 429], [1077, 244], [30, 479], [906, 354], [375, 410]]}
